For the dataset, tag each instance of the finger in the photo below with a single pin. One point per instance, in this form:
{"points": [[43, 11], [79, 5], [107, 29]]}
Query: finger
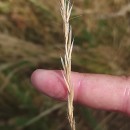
{"points": [[94, 90]]}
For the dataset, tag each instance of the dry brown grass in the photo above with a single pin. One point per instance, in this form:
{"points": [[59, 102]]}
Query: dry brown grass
{"points": [[102, 45]]}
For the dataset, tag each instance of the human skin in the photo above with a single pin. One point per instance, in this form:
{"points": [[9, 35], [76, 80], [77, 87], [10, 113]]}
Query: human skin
{"points": [[98, 91]]}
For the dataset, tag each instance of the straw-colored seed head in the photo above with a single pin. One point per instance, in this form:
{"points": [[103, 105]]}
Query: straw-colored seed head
{"points": [[66, 8]]}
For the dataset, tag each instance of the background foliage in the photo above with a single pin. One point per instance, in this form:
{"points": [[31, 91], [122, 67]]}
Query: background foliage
{"points": [[31, 37]]}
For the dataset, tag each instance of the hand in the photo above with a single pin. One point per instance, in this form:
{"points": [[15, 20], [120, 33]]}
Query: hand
{"points": [[94, 90]]}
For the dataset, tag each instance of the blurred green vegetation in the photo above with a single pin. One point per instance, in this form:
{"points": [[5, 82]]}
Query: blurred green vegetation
{"points": [[31, 37]]}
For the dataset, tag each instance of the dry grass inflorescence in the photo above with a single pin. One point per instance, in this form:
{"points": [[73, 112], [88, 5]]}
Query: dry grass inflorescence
{"points": [[66, 8]]}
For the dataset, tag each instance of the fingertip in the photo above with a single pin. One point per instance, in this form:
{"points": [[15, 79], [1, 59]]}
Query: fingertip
{"points": [[50, 83], [35, 77]]}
